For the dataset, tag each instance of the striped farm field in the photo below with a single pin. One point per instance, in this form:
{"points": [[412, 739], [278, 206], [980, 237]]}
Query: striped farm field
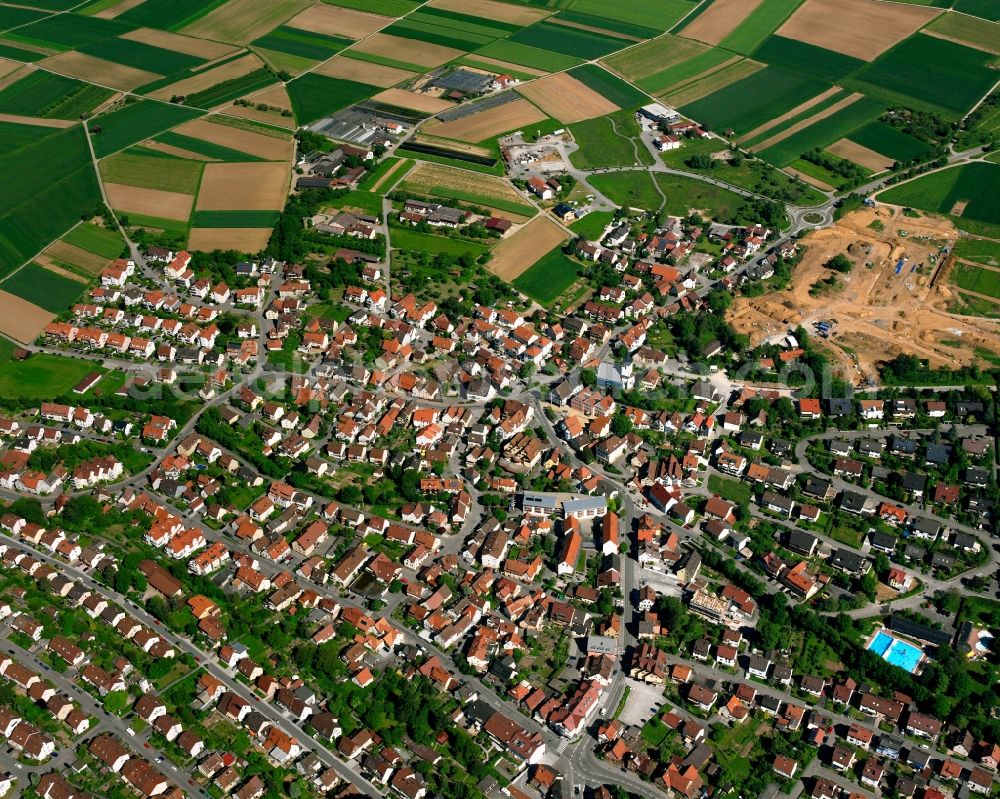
{"points": [[718, 20], [342, 22], [747, 103], [242, 21], [135, 122], [851, 116], [573, 42], [43, 94], [702, 63], [653, 56], [305, 44], [714, 79], [765, 19], [658, 14], [527, 55]]}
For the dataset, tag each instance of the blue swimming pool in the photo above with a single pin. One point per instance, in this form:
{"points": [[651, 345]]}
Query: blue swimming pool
{"points": [[898, 653], [880, 643]]}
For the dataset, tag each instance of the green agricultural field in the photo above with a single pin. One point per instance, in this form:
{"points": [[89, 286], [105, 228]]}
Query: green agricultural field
{"points": [[15, 17], [654, 56], [248, 219], [976, 32], [135, 122], [54, 5], [748, 103], [169, 15], [628, 189], [50, 96], [19, 54], [928, 73], [807, 59], [549, 277], [940, 192], [574, 42], [315, 96], [390, 8], [170, 227], [43, 376], [613, 27], [231, 89], [307, 44], [96, 240], [981, 251], [466, 22], [765, 20], [499, 204], [404, 239], [608, 141], [14, 136], [825, 132], [527, 55], [697, 65], [658, 14], [205, 148], [887, 140], [68, 31], [357, 55], [981, 280], [141, 56], [39, 204], [408, 28], [153, 172], [618, 91], [364, 201], [592, 225], [683, 193], [751, 141], [44, 288], [987, 9]]}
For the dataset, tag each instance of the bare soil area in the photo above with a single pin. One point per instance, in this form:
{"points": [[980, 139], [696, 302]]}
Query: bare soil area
{"points": [[491, 9], [565, 98], [150, 202], [513, 256], [861, 28], [334, 21], [21, 320], [246, 141], [229, 238], [409, 50], [860, 154], [877, 314], [211, 77], [492, 122], [418, 102], [97, 70], [373, 74], [260, 186], [199, 48], [719, 20]]}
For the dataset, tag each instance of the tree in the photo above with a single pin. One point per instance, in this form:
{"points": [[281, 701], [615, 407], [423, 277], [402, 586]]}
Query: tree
{"points": [[621, 425], [117, 702], [839, 263]]}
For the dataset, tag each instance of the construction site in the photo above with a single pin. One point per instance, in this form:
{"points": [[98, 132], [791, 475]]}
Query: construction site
{"points": [[895, 299]]}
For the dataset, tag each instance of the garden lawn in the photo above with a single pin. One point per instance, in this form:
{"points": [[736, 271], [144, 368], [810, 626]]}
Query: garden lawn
{"points": [[42, 376], [549, 277], [402, 239]]}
